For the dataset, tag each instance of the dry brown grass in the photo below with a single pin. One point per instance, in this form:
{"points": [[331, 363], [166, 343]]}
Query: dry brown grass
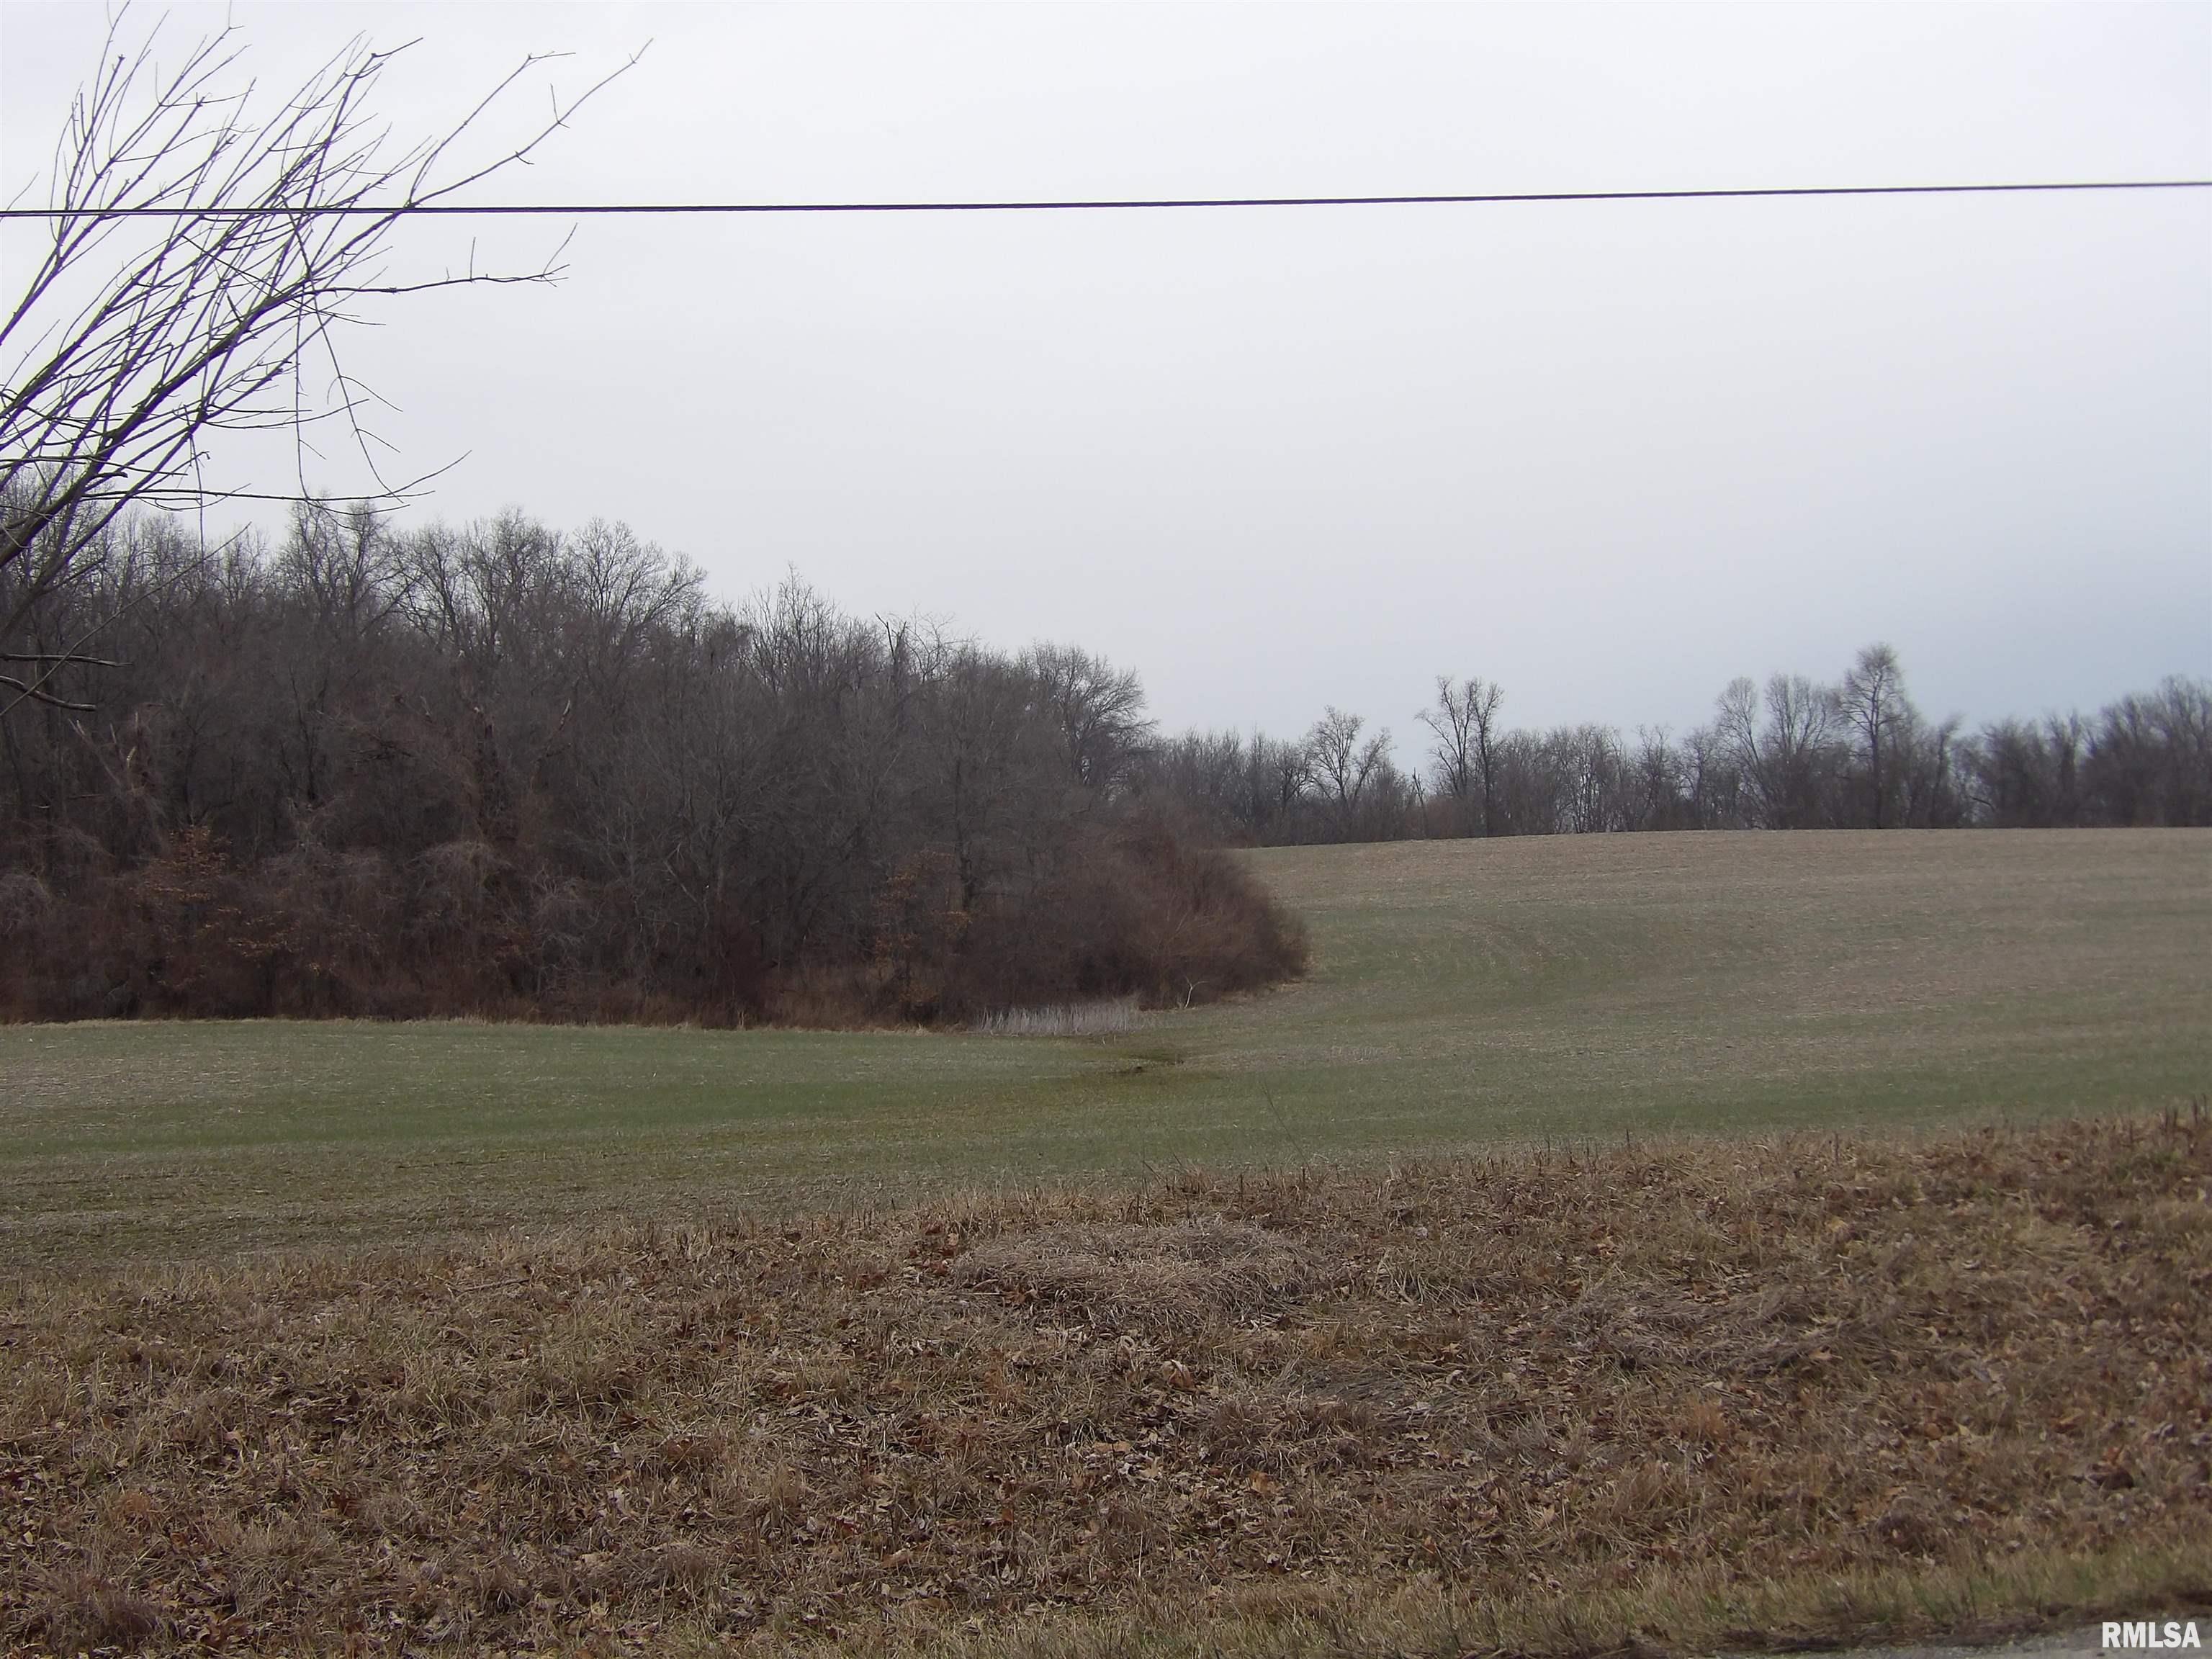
{"points": [[1643, 1399]]}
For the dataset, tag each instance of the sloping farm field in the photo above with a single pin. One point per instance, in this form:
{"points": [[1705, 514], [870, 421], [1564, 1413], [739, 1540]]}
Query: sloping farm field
{"points": [[1563, 989], [1617, 1245]]}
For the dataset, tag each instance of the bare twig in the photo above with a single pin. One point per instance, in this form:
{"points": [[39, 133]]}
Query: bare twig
{"points": [[126, 358]]}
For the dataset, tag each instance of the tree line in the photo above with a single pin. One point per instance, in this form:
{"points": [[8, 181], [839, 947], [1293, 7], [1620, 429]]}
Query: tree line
{"points": [[1795, 753], [506, 770]]}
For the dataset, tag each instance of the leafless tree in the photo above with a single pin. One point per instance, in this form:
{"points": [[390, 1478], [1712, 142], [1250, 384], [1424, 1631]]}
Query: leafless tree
{"points": [[1713, 781], [1934, 795], [1465, 725], [1786, 758], [1203, 774], [1280, 771], [1342, 765], [2023, 776], [1735, 728], [2149, 756], [205, 256], [1873, 704], [1099, 708], [1801, 738], [1656, 798]]}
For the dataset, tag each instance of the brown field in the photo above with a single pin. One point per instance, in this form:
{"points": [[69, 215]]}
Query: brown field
{"points": [[1669, 1398]]}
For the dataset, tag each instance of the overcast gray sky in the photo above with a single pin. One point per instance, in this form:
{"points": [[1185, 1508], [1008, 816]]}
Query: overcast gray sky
{"points": [[1609, 455]]}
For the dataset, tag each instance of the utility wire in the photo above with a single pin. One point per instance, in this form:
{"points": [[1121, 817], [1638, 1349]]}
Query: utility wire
{"points": [[582, 210]]}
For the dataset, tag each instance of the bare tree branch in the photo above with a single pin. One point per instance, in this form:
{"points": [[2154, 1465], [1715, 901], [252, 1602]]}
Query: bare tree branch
{"points": [[126, 358]]}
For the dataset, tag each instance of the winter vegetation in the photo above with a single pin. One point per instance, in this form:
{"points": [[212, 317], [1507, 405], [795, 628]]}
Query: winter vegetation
{"points": [[1588, 1245], [1683, 1399], [1111, 1019], [508, 771], [1797, 754], [503, 770]]}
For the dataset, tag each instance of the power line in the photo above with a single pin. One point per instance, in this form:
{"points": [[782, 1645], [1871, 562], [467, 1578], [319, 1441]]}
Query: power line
{"points": [[584, 210]]}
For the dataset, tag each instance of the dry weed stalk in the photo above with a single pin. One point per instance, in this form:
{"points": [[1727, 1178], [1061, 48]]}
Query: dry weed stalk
{"points": [[1109, 1018]]}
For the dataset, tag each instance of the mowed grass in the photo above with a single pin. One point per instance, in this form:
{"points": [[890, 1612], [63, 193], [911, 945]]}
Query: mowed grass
{"points": [[1576, 990]]}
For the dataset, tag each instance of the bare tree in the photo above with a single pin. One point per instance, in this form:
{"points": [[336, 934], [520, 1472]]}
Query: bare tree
{"points": [[1656, 799], [1278, 773], [1787, 759], [1933, 788], [1800, 742], [2149, 756], [1465, 725], [1343, 765], [203, 259], [1713, 781], [2023, 776], [1735, 729], [1099, 708], [1882, 718]]}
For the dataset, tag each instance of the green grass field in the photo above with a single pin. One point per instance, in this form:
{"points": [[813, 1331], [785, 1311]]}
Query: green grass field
{"points": [[1572, 988]]}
